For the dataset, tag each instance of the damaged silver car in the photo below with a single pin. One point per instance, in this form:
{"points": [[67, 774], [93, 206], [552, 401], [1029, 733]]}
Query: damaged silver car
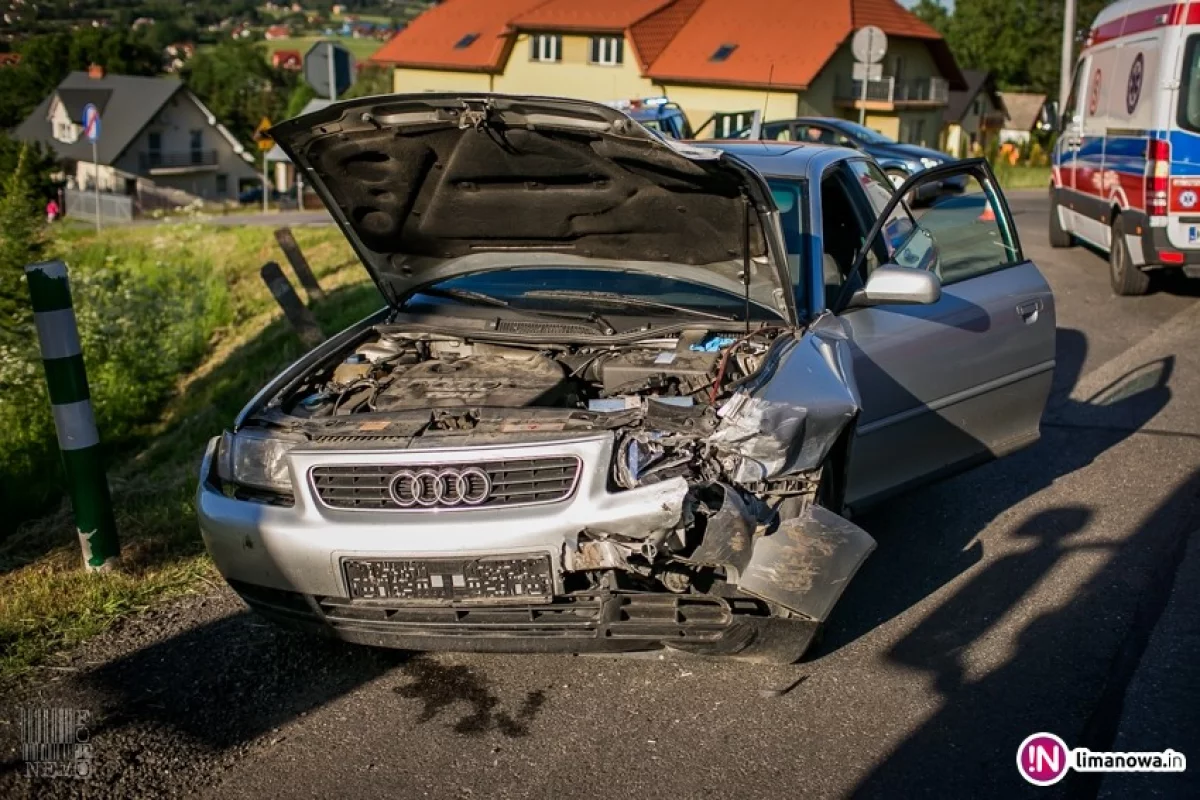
{"points": [[625, 391]]}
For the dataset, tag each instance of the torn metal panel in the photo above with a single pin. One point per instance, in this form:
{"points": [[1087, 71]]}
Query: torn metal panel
{"points": [[789, 416], [727, 537], [806, 564], [596, 555], [638, 513]]}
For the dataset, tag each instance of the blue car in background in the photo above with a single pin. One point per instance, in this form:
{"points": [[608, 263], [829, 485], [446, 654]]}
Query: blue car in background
{"points": [[898, 160]]}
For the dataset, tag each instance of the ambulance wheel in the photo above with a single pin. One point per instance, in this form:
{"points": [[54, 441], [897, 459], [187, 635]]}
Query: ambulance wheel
{"points": [[1127, 280], [1058, 236]]}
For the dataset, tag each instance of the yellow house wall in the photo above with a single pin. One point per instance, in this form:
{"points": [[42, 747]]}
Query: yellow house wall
{"points": [[432, 80], [573, 76], [885, 123]]}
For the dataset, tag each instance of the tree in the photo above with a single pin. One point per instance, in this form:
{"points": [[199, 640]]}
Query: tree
{"points": [[46, 59], [239, 86], [298, 99], [40, 166], [932, 13], [1019, 41], [22, 241], [372, 79]]}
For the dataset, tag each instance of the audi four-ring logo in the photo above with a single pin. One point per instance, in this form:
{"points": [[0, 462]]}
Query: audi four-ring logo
{"points": [[446, 487]]}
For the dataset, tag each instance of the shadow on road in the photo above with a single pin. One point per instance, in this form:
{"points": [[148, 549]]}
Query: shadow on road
{"points": [[927, 537], [983, 718]]}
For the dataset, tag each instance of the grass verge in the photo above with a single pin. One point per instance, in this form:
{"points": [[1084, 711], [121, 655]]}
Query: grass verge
{"points": [[47, 602], [1022, 177]]}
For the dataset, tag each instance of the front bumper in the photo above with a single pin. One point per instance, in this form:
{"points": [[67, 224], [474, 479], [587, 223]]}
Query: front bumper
{"points": [[584, 622], [301, 548]]}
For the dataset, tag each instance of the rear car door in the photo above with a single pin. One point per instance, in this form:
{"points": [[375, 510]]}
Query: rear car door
{"points": [[961, 380]]}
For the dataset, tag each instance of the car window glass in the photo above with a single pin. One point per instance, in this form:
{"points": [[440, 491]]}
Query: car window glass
{"points": [[843, 233], [878, 190], [815, 134], [789, 200], [1189, 92], [958, 235]]}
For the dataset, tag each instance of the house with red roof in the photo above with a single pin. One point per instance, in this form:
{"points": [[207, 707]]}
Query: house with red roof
{"points": [[287, 59], [789, 58]]}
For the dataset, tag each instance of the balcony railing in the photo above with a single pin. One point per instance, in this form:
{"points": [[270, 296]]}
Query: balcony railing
{"points": [[179, 159], [932, 91]]}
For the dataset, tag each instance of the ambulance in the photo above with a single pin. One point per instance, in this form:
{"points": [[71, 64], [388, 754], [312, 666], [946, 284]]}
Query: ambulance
{"points": [[1126, 167]]}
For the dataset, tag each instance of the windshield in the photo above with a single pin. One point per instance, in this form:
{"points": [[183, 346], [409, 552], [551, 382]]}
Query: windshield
{"points": [[568, 289], [863, 133]]}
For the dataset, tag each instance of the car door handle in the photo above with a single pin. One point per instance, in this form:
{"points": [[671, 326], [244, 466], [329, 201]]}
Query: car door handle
{"points": [[1029, 311]]}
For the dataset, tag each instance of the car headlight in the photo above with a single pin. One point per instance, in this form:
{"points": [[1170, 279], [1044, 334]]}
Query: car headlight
{"points": [[256, 459], [929, 163]]}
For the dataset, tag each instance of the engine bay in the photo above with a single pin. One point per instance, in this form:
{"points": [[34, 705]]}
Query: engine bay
{"points": [[393, 371]]}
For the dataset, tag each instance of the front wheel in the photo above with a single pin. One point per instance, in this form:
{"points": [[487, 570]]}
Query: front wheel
{"points": [[1059, 236], [1126, 279]]}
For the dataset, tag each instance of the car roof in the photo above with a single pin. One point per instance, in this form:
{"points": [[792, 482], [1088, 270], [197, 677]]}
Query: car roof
{"points": [[782, 159]]}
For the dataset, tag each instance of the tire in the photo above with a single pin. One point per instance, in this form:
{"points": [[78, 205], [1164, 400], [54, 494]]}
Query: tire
{"points": [[1058, 236], [1126, 279]]}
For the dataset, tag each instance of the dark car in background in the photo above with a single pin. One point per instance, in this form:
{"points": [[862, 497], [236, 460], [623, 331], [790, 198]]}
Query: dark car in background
{"points": [[898, 160]]}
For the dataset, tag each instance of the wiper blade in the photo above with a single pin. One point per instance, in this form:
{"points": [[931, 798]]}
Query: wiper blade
{"points": [[466, 296], [617, 299]]}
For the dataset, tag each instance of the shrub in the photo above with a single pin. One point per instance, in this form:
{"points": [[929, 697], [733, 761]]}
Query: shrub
{"points": [[142, 323]]}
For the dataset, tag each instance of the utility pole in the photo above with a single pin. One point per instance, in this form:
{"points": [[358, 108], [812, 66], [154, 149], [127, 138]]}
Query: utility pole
{"points": [[1068, 55]]}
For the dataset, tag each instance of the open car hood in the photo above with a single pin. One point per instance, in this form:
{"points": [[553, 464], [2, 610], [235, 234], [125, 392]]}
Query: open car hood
{"points": [[431, 186]]}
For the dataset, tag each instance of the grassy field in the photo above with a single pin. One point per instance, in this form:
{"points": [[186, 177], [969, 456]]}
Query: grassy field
{"points": [[46, 601]]}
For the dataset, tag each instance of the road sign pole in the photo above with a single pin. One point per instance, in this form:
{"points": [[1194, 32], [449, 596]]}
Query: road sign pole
{"points": [[266, 186], [862, 105], [74, 421], [332, 81], [96, 172]]}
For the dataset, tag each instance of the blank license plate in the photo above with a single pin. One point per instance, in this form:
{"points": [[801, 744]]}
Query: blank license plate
{"points": [[478, 578]]}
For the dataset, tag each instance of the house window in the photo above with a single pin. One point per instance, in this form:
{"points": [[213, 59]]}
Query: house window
{"points": [[466, 41], [898, 68], [723, 52], [546, 47], [608, 50], [154, 145], [196, 145], [222, 183]]}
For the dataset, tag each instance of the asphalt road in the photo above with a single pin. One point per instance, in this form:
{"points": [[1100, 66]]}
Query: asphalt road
{"points": [[1015, 598]]}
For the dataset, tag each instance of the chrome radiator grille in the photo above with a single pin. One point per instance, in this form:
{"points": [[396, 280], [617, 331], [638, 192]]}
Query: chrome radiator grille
{"points": [[451, 487]]}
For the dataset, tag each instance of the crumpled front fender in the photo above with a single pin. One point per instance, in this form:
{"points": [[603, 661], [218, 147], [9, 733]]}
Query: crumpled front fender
{"points": [[804, 565], [789, 416]]}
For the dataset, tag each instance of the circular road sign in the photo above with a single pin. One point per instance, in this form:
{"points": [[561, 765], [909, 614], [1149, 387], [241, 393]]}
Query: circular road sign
{"points": [[91, 122], [869, 45]]}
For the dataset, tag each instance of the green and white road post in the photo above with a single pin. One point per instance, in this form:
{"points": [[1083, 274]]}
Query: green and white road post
{"points": [[78, 438]]}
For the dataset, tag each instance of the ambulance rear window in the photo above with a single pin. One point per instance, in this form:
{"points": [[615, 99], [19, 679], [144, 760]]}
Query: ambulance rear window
{"points": [[1189, 87]]}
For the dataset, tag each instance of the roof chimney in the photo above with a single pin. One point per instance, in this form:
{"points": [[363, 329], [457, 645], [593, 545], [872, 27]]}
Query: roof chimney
{"points": [[95, 71]]}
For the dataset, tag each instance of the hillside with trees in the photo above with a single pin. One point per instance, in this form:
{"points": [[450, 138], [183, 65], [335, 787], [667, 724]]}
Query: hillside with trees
{"points": [[1018, 41]]}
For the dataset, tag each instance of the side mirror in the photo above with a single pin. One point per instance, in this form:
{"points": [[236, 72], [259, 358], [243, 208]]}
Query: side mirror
{"points": [[899, 286]]}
